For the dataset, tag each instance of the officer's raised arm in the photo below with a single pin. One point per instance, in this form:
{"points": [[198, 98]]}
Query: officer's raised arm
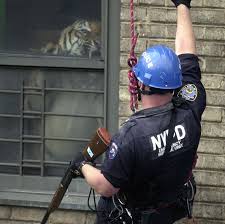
{"points": [[185, 37], [192, 89]]}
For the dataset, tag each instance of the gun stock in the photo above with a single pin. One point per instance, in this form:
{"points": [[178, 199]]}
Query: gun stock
{"points": [[59, 194]]}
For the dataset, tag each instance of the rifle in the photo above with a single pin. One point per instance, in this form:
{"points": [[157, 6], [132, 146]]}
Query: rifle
{"points": [[95, 148]]}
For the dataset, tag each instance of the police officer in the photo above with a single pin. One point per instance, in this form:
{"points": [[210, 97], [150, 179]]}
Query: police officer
{"points": [[147, 174]]}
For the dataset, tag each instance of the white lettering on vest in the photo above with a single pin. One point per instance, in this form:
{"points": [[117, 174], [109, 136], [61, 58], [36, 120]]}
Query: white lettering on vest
{"points": [[156, 142], [159, 141], [180, 132]]}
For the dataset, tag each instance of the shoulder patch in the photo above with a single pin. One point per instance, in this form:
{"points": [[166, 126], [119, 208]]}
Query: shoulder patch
{"points": [[188, 92], [119, 138], [113, 150]]}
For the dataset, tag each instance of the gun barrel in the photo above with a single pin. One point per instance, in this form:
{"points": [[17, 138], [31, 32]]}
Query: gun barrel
{"points": [[45, 218], [59, 194]]}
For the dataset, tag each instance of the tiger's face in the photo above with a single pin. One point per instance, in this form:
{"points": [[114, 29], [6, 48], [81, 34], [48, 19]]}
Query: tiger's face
{"points": [[82, 26], [82, 38]]}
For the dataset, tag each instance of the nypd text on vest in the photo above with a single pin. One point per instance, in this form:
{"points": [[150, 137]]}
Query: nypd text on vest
{"points": [[159, 141]]}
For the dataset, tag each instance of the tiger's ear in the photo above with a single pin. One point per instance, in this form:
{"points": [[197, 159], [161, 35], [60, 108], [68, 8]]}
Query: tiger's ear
{"points": [[95, 27]]}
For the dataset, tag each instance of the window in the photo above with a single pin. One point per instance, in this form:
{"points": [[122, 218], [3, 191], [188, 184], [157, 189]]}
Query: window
{"points": [[53, 27], [54, 90]]}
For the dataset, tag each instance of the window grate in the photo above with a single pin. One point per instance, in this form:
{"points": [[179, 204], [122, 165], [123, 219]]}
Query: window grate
{"points": [[30, 115]]}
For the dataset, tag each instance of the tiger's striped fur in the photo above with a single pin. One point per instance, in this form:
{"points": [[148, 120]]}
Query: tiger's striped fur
{"points": [[82, 39]]}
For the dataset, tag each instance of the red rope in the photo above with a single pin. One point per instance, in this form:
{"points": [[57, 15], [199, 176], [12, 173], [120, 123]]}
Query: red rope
{"points": [[132, 61]]}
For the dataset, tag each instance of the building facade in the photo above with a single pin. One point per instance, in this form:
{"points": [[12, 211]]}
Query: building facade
{"points": [[54, 95]]}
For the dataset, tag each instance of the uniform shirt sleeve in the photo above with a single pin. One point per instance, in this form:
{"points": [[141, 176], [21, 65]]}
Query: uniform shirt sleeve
{"points": [[192, 89], [118, 164]]}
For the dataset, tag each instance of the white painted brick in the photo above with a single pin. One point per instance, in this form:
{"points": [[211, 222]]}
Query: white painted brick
{"points": [[212, 146], [69, 217], [213, 129], [152, 2], [213, 114], [208, 210], [215, 97], [206, 16], [214, 3], [211, 162], [5, 212], [213, 81], [210, 194], [30, 214], [210, 178], [124, 94]]}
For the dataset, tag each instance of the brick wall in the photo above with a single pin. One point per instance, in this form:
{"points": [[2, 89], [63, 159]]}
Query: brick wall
{"points": [[156, 23], [21, 215]]}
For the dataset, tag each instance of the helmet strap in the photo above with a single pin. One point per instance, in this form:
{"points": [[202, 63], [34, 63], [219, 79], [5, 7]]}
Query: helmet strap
{"points": [[143, 91], [152, 90], [139, 92]]}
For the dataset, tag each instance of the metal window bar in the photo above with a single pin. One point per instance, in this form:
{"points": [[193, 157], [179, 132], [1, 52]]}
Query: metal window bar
{"points": [[26, 91], [43, 128], [21, 128]]}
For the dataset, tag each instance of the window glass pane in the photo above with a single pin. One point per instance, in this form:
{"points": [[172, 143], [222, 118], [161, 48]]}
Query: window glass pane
{"points": [[32, 126], [51, 27], [85, 80], [9, 169], [75, 103], [9, 152], [32, 151], [70, 127], [32, 102], [35, 171], [62, 150], [13, 106], [6, 77], [51, 170], [9, 128]]}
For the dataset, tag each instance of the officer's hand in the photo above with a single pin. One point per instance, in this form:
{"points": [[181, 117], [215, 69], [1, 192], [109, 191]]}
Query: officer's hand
{"points": [[77, 163], [184, 2]]}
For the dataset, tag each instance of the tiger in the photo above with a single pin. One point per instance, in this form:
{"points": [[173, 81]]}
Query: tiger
{"points": [[82, 38]]}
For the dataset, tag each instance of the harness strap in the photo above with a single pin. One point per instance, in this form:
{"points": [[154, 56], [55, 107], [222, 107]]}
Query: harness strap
{"points": [[170, 134]]}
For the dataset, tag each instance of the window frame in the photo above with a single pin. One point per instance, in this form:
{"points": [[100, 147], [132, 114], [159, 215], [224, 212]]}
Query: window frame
{"points": [[49, 61], [22, 193]]}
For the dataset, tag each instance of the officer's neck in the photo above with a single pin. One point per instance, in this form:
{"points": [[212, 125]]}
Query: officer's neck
{"points": [[155, 100]]}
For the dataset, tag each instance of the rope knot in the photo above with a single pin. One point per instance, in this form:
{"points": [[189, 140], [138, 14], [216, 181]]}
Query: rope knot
{"points": [[132, 61]]}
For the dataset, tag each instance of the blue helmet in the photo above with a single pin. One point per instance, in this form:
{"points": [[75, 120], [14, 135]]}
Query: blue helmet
{"points": [[159, 67]]}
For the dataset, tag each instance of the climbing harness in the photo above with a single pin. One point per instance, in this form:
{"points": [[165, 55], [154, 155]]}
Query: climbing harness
{"points": [[132, 61], [120, 214]]}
